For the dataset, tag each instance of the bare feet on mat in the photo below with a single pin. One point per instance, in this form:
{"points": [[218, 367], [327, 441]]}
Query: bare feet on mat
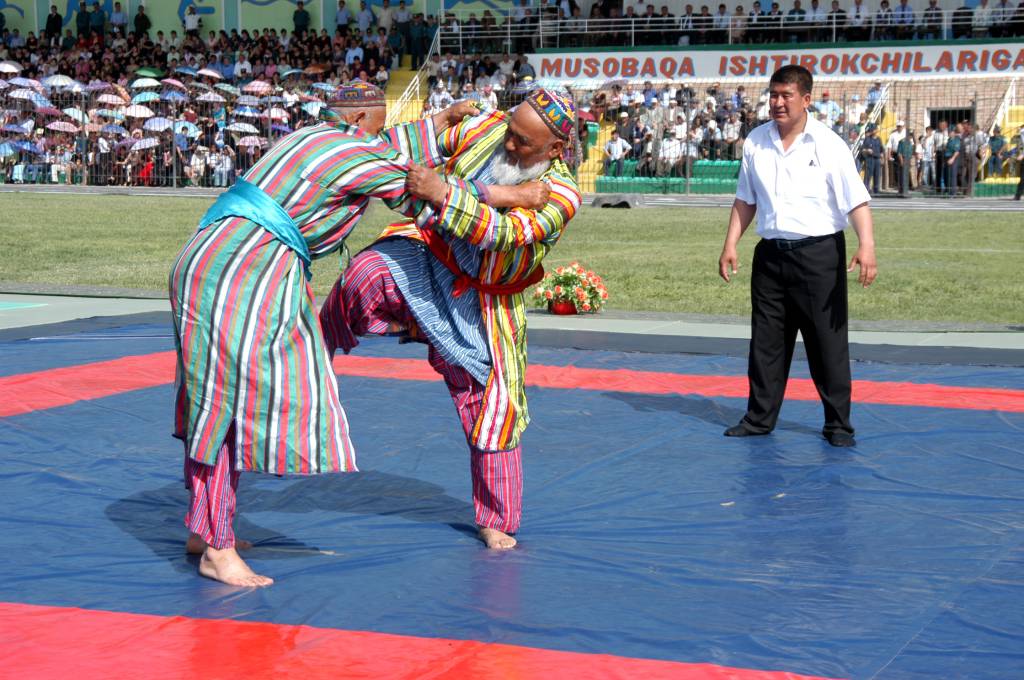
{"points": [[496, 540], [196, 545], [227, 567]]}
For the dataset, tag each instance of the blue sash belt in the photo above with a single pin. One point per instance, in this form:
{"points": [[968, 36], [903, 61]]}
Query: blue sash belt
{"points": [[247, 200]]}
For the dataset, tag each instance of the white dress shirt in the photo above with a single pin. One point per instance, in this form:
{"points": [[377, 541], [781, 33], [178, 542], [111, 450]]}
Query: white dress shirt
{"points": [[806, 190]]}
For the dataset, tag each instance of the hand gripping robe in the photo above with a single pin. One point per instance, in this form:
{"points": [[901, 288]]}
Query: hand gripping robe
{"points": [[250, 350], [509, 247]]}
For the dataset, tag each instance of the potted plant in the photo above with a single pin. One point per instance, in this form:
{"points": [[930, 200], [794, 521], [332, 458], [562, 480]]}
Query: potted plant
{"points": [[571, 290]]}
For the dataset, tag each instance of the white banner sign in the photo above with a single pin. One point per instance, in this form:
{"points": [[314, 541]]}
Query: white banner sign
{"points": [[852, 63]]}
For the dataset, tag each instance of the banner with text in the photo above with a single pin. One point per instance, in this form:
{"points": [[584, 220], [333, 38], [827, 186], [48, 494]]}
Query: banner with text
{"points": [[888, 62]]}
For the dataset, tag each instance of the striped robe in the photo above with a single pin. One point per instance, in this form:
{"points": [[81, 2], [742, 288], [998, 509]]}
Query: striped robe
{"points": [[249, 344], [513, 243]]}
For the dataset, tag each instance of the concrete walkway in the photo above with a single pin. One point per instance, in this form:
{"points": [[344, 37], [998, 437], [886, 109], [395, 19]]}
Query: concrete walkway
{"points": [[914, 342]]}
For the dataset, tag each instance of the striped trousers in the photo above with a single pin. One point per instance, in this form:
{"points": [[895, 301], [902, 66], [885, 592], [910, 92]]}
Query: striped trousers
{"points": [[368, 302], [211, 510]]}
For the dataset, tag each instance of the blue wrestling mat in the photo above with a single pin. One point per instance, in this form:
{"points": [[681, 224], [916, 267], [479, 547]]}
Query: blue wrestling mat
{"points": [[650, 543]]}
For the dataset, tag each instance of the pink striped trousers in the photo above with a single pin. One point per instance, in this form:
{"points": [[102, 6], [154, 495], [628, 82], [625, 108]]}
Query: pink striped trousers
{"points": [[211, 510], [367, 303]]}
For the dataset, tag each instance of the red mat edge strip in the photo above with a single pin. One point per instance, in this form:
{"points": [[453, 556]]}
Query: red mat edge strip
{"points": [[50, 642], [51, 388]]}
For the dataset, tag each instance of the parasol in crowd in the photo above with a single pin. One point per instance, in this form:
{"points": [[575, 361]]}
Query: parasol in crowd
{"points": [[60, 80], [158, 124], [111, 99], [283, 129], [77, 115], [199, 85], [22, 93], [173, 96], [290, 72], [209, 73], [313, 108], [27, 82], [98, 86], [183, 127], [10, 67], [186, 70], [247, 100], [257, 87], [139, 111], [315, 69], [145, 143], [109, 113], [172, 82], [114, 130], [149, 72], [63, 126], [210, 97], [6, 149], [4, 84], [252, 141], [142, 83], [246, 128], [47, 111], [247, 112], [275, 113], [230, 89], [145, 97]]}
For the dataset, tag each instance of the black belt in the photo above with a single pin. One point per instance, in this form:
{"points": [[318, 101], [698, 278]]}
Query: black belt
{"points": [[793, 244]]}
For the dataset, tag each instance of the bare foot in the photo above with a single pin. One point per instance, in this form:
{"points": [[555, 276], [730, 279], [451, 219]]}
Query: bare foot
{"points": [[196, 545], [496, 540], [227, 567]]}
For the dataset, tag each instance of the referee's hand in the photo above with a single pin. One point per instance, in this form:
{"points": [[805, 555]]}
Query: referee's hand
{"points": [[728, 263], [865, 258]]}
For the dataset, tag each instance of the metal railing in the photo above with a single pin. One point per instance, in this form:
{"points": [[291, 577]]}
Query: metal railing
{"points": [[1009, 100], [874, 118], [409, 104]]}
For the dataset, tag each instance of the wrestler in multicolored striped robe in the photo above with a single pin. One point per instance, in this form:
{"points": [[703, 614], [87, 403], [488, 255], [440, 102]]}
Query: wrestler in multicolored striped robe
{"points": [[477, 340], [253, 375]]}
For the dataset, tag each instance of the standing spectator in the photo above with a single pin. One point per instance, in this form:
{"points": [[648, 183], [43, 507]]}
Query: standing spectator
{"points": [[97, 21], [192, 22], [816, 21], [891, 145], [365, 18], [928, 158], [798, 282], [342, 18], [870, 152], [722, 26], [403, 22], [941, 168], [417, 41], [142, 23], [386, 16], [118, 19], [731, 137], [981, 23], [883, 22], [831, 109], [615, 152], [903, 21], [1020, 165], [301, 19], [81, 21], [996, 153], [953, 160], [905, 157], [54, 22], [973, 144], [670, 155], [931, 21], [755, 23], [796, 23], [835, 24], [858, 22], [686, 20]]}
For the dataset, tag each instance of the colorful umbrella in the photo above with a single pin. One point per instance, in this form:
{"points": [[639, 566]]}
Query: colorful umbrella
{"points": [[10, 67], [312, 108], [284, 129], [111, 99], [247, 112], [27, 82], [252, 141], [4, 84], [230, 89], [22, 93], [139, 111], [199, 85], [97, 86], [173, 96], [326, 87], [144, 97], [142, 83], [187, 70], [211, 97], [257, 87], [271, 100], [47, 111], [21, 145], [183, 127], [76, 114], [121, 91], [290, 72], [158, 124], [171, 82], [209, 73], [60, 80], [276, 114], [149, 72], [315, 69], [110, 113], [6, 149], [63, 126], [17, 129], [145, 143], [247, 128], [114, 130], [247, 100]]}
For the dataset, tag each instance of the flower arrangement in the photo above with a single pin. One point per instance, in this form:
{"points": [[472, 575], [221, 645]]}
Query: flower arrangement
{"points": [[571, 285]]}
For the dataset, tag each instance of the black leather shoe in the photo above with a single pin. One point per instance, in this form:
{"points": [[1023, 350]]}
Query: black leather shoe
{"points": [[742, 430], [841, 439]]}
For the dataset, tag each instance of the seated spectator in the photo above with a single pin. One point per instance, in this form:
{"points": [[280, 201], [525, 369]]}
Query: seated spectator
{"points": [[615, 152]]}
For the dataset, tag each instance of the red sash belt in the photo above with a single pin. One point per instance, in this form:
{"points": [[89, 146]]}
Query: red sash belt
{"points": [[463, 281]]}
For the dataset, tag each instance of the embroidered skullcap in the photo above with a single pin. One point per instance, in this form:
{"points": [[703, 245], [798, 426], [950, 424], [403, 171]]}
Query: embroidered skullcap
{"points": [[555, 109], [357, 93]]}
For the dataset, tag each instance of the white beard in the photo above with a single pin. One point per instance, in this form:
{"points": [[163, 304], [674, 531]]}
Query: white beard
{"points": [[504, 171]]}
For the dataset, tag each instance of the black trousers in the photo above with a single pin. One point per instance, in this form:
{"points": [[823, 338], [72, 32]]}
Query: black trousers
{"points": [[803, 289]]}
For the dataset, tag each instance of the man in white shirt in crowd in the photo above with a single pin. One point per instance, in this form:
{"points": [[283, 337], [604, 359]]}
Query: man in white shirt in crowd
{"points": [[800, 180], [439, 99], [858, 22], [830, 108], [891, 146], [731, 137], [385, 16], [615, 151], [670, 156], [243, 67], [816, 19], [118, 19], [342, 17]]}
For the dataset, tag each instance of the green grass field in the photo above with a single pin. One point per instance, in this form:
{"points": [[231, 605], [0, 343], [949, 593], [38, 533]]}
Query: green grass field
{"points": [[950, 266]]}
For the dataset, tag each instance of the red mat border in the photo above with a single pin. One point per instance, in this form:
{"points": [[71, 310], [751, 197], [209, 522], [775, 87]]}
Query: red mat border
{"points": [[52, 388], [53, 642]]}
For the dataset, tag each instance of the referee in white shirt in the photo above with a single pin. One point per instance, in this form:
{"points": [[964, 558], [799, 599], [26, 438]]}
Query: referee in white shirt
{"points": [[799, 177]]}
